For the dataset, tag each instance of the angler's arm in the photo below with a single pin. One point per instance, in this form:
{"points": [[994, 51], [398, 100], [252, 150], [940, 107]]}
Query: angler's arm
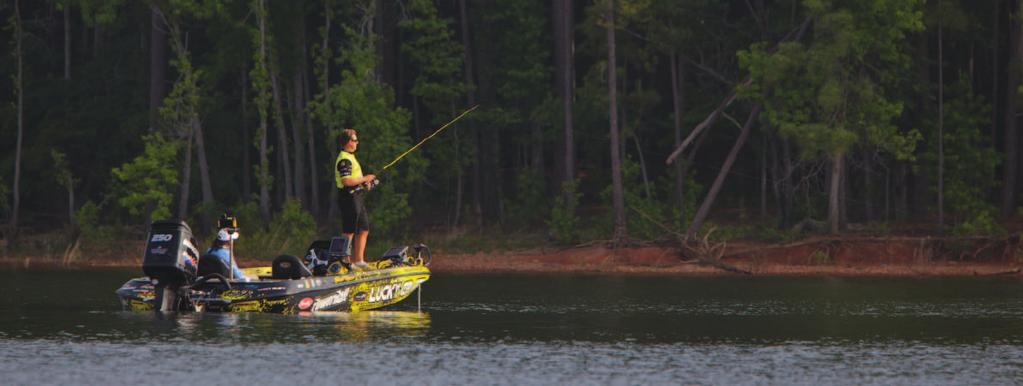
{"points": [[345, 168], [352, 181]]}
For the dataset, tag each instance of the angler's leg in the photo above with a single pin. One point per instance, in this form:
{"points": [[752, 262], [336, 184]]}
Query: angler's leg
{"points": [[360, 246]]}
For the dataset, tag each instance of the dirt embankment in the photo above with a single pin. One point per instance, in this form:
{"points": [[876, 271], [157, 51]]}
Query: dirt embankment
{"points": [[845, 256]]}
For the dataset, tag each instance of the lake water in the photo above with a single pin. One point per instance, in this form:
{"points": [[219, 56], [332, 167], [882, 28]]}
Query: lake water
{"points": [[66, 327]]}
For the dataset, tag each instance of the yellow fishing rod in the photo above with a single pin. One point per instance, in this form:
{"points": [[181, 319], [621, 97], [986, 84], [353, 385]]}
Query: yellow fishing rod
{"points": [[429, 136], [416, 146]]}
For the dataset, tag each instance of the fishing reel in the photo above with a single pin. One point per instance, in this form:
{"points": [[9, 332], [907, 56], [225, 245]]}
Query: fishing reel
{"points": [[367, 186]]}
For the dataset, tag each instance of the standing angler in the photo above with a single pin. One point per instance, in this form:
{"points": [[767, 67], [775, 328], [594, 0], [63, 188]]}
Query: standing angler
{"points": [[354, 217]]}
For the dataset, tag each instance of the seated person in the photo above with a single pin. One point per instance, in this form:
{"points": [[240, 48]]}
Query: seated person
{"points": [[222, 249]]}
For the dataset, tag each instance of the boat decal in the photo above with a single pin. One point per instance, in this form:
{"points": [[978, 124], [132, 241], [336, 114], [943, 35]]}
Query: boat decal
{"points": [[139, 305], [390, 291], [343, 278], [305, 303], [235, 294], [331, 300], [161, 237], [360, 296], [145, 295]]}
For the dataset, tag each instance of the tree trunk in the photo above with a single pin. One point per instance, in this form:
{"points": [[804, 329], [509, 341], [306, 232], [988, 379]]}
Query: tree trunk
{"points": [[617, 193], [564, 77], [314, 167], [763, 179], [246, 139], [996, 33], [902, 205], [726, 167], [386, 44], [677, 105], [707, 122], [642, 167], [282, 131], [204, 167], [470, 96], [314, 195], [19, 87], [186, 177], [264, 161], [297, 124], [843, 197], [67, 41], [157, 65], [536, 148], [782, 175], [868, 188], [458, 184], [834, 193], [921, 181], [776, 181], [71, 201], [97, 33], [1011, 89], [941, 126]]}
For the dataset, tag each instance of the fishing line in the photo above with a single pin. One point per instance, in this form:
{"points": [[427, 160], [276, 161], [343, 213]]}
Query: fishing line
{"points": [[430, 136]]}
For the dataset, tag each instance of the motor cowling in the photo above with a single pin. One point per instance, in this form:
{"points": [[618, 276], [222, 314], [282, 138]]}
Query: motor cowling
{"points": [[170, 255]]}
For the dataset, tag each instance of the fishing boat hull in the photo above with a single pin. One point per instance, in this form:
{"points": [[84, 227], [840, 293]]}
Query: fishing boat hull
{"points": [[343, 292]]}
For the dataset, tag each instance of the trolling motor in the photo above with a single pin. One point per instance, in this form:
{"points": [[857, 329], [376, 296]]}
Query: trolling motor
{"points": [[170, 260]]}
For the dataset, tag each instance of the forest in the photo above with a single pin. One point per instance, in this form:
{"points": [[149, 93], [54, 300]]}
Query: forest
{"points": [[614, 120]]}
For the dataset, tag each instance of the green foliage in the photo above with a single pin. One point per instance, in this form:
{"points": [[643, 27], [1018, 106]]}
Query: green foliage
{"points": [[290, 232], [833, 92], [436, 55], [564, 222], [970, 161], [94, 231], [656, 213], [96, 12], [820, 257], [434, 52], [61, 172], [530, 202], [978, 223], [145, 186]]}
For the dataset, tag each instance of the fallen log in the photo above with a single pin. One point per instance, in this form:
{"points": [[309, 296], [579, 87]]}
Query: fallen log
{"points": [[700, 251]]}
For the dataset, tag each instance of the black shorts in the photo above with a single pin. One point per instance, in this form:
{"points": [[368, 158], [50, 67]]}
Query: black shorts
{"points": [[354, 217]]}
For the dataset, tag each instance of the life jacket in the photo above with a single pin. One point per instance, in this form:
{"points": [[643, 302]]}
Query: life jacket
{"points": [[356, 169]]}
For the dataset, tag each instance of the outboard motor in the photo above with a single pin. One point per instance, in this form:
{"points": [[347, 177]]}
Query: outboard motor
{"points": [[170, 260]]}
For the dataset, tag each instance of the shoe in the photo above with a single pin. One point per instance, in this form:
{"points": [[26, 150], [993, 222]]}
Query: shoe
{"points": [[361, 266]]}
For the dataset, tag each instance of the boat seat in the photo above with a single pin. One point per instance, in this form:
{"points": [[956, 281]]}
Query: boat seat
{"points": [[210, 264], [289, 267]]}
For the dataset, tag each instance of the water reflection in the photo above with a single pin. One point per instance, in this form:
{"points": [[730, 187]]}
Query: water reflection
{"points": [[539, 329], [252, 327]]}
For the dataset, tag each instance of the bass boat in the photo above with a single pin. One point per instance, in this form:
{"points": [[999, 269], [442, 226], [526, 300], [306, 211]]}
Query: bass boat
{"points": [[178, 278]]}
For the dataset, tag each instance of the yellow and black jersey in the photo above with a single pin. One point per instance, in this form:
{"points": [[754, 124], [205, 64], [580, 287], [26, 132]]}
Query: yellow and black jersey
{"points": [[346, 166]]}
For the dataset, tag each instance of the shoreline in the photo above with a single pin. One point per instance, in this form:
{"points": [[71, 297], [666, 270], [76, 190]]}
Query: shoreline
{"points": [[902, 257]]}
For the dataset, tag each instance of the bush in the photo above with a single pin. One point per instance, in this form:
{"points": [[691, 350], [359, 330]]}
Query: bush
{"points": [[290, 232], [145, 186], [530, 202], [564, 221], [93, 233], [981, 223]]}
